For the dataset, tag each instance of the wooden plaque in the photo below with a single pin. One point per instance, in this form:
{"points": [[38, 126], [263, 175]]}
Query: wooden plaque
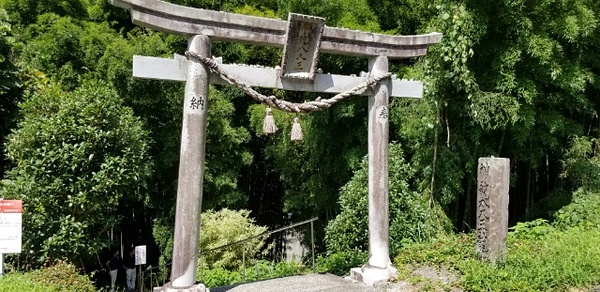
{"points": [[301, 49]]}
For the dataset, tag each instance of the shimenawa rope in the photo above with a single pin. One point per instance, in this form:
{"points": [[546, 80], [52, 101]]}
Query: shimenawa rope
{"points": [[286, 106]]}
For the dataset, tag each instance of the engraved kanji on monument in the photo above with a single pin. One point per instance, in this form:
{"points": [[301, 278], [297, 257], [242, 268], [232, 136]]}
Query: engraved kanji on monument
{"points": [[493, 179]]}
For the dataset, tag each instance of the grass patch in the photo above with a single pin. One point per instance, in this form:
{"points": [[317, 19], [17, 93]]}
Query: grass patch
{"points": [[537, 261]]}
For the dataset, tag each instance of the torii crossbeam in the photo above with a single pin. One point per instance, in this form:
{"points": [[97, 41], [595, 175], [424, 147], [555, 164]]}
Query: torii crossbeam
{"points": [[226, 26], [302, 38]]}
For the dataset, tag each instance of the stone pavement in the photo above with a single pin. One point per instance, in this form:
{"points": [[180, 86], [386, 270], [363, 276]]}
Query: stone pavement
{"points": [[302, 283], [326, 283]]}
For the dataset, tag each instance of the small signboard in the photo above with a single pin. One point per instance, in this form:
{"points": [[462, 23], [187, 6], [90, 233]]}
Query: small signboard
{"points": [[301, 49], [10, 226], [140, 255]]}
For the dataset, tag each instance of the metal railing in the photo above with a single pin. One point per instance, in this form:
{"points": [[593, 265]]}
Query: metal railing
{"points": [[266, 234], [158, 275]]}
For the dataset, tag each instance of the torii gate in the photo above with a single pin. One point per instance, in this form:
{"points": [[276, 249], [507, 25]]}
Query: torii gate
{"points": [[302, 37]]}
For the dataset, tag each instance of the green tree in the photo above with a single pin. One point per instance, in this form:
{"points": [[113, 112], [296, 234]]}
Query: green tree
{"points": [[25, 12], [509, 79], [404, 17], [10, 84], [72, 50], [53, 48], [75, 156], [411, 217], [581, 164]]}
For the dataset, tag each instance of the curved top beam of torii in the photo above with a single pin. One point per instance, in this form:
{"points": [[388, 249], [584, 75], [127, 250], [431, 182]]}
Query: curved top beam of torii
{"points": [[171, 18]]}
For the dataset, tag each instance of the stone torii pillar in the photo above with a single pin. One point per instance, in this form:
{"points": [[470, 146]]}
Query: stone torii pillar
{"points": [[379, 238], [191, 169], [302, 38]]}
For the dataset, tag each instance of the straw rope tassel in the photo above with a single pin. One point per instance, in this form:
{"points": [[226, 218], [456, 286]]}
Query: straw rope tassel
{"points": [[269, 126], [296, 130]]}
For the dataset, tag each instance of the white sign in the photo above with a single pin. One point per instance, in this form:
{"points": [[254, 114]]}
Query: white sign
{"points": [[140, 255], [10, 226]]}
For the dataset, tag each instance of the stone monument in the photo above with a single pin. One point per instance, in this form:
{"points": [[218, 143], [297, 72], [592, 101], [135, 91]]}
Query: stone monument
{"points": [[302, 38], [493, 180]]}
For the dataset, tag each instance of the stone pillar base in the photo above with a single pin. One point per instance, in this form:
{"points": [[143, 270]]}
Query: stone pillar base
{"points": [[373, 275], [168, 288]]}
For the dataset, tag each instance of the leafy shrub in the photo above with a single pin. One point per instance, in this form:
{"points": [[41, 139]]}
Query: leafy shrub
{"points": [[64, 277], [411, 220], [60, 277], [218, 276], [340, 263], [218, 228], [75, 156], [22, 282], [583, 212], [581, 163], [225, 227], [254, 271], [536, 229]]}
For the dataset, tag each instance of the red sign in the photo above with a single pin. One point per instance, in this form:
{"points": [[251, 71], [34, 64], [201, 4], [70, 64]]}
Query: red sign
{"points": [[10, 226], [11, 206]]}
